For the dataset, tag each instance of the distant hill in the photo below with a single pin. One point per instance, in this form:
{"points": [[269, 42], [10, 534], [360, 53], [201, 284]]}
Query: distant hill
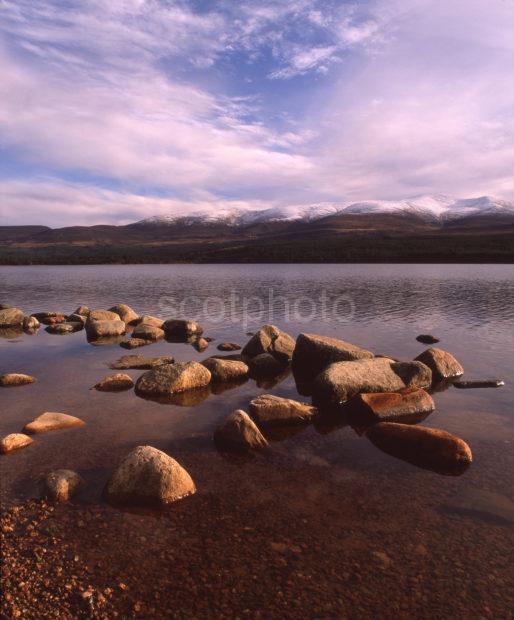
{"points": [[423, 229]]}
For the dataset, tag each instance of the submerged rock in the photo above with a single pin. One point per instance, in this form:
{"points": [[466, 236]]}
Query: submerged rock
{"points": [[270, 410], [228, 346], [442, 364], [314, 353], [64, 328], [140, 362], [427, 339], [50, 318], [12, 379], [51, 421], [482, 383], [272, 340], [226, 371], [30, 323], [11, 317], [409, 406], [126, 313], [102, 328], [14, 441], [264, 366], [115, 383], [178, 328], [61, 485], [173, 378], [424, 447], [135, 343], [342, 380], [239, 433], [148, 477]]}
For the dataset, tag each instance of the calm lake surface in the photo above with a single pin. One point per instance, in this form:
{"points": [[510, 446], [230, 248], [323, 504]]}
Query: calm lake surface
{"points": [[444, 542]]}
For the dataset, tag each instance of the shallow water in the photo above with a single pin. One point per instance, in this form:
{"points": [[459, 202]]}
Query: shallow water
{"points": [[309, 471]]}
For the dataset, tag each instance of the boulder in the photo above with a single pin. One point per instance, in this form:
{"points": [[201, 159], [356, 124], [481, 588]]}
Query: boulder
{"points": [[272, 340], [11, 317], [12, 379], [140, 362], [102, 315], [410, 405], [76, 318], [442, 364], [49, 318], [228, 346], [115, 383], [173, 378], [60, 485], [200, 344], [342, 380], [178, 328], [151, 320], [425, 447], [50, 421], [148, 477], [64, 328], [5, 306], [482, 383], [14, 441], [148, 332], [101, 329], [30, 323], [270, 410], [427, 339], [239, 433], [83, 311], [264, 366], [225, 371], [314, 353], [126, 313], [134, 343]]}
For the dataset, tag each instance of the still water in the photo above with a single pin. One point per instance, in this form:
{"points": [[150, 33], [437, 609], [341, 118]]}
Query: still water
{"points": [[330, 477]]}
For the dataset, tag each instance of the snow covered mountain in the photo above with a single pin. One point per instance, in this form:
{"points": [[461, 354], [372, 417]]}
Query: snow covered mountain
{"points": [[428, 208]]}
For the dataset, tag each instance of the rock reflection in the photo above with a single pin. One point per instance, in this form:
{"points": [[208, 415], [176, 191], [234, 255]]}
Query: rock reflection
{"points": [[220, 388], [188, 398], [11, 332]]}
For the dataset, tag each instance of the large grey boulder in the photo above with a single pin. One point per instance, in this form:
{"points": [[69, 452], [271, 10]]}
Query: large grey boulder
{"points": [[270, 410], [442, 364], [270, 339], [429, 448], [60, 485], [342, 380], [14, 441], [52, 421], [103, 328], [127, 314], [10, 317], [410, 405], [226, 371], [12, 379], [239, 433], [314, 353], [148, 477], [173, 379]]}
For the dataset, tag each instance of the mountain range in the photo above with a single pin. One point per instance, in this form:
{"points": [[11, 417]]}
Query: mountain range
{"points": [[421, 229]]}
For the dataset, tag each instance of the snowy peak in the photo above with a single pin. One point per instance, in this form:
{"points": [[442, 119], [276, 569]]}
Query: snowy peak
{"points": [[437, 207]]}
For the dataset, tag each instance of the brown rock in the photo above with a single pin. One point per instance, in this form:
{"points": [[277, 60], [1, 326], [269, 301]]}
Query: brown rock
{"points": [[173, 378], [178, 328], [228, 346], [151, 320], [51, 421], [76, 318], [425, 447], [30, 323], [103, 315], [200, 344], [64, 328], [82, 310], [409, 406], [115, 383], [480, 383], [11, 317], [239, 433], [126, 313], [442, 364], [102, 329], [314, 353], [140, 362], [270, 410], [148, 477], [135, 343], [49, 318], [14, 441], [12, 379], [272, 340], [61, 485], [225, 371], [342, 380], [144, 331], [427, 339]]}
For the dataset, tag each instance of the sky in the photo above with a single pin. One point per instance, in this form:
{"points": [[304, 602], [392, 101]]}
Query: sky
{"points": [[111, 112]]}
